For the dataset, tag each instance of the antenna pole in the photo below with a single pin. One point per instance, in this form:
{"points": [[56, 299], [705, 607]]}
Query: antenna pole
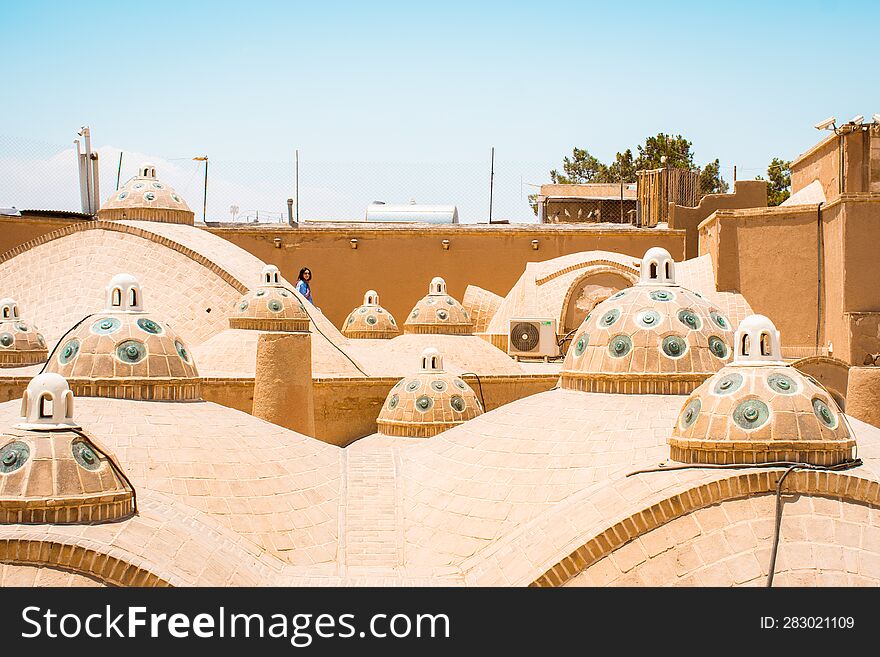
{"points": [[119, 170]]}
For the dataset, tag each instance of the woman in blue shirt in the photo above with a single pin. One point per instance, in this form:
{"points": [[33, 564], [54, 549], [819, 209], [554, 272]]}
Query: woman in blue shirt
{"points": [[302, 284]]}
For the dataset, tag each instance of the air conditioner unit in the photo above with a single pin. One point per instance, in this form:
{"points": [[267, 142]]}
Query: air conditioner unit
{"points": [[532, 337]]}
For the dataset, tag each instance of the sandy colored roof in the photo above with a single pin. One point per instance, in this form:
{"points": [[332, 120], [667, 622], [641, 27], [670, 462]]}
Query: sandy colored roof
{"points": [[195, 277], [518, 495], [811, 194], [233, 353], [697, 274], [481, 305], [276, 488]]}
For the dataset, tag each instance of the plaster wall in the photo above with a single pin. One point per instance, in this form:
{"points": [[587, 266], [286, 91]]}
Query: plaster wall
{"points": [[746, 194], [773, 258], [769, 256], [400, 262], [822, 163], [15, 231]]}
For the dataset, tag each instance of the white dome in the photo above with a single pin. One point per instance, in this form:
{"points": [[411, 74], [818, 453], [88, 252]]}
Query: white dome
{"points": [[47, 403], [432, 360], [124, 294], [270, 276], [438, 286], [658, 268], [756, 342]]}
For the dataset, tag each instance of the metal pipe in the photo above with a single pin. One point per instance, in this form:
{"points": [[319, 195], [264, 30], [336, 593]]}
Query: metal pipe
{"points": [[83, 200], [119, 170]]}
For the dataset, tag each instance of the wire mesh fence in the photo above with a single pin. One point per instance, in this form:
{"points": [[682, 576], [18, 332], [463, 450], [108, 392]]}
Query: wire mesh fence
{"points": [[38, 175]]}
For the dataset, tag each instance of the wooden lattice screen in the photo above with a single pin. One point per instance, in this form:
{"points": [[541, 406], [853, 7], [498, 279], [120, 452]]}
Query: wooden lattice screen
{"points": [[658, 187]]}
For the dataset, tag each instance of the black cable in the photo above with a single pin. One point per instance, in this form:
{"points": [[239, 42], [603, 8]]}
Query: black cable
{"points": [[565, 338], [79, 432], [305, 304], [61, 339], [845, 465], [479, 385], [820, 263], [777, 526], [791, 467]]}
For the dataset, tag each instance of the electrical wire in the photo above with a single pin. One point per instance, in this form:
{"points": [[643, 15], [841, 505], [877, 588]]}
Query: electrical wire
{"points": [[79, 432], [479, 385], [305, 304], [61, 339], [790, 467]]}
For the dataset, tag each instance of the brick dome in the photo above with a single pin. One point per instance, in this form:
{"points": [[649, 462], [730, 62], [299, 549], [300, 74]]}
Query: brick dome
{"points": [[758, 409], [437, 312], [51, 471], [653, 338], [370, 321], [20, 341], [271, 306], [123, 351], [146, 198], [428, 402]]}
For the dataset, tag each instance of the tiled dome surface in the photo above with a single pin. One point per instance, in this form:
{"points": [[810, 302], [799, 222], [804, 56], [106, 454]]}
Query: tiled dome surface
{"points": [[270, 308], [20, 343], [428, 402], [58, 477], [653, 338], [758, 415], [667, 331], [52, 472], [126, 354], [147, 198], [758, 410], [370, 321], [438, 312]]}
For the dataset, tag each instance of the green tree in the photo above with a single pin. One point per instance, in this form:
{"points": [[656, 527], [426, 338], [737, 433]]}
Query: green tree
{"points": [[661, 150], [581, 167], [676, 149], [711, 181], [779, 173], [624, 168]]}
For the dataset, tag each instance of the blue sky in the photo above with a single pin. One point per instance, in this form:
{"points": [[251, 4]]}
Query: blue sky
{"points": [[438, 82]]}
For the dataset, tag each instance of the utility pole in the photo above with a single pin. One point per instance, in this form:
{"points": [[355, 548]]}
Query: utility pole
{"points": [[296, 188], [205, 199], [491, 181]]}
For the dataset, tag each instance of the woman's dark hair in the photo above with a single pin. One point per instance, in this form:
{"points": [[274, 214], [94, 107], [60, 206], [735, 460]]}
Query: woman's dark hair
{"points": [[303, 271]]}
